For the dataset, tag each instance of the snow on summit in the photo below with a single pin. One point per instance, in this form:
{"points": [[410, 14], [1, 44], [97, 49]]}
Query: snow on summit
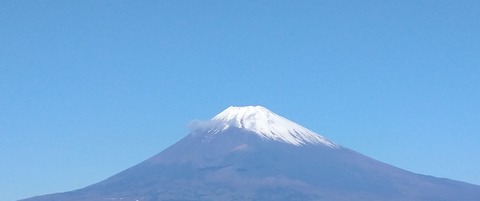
{"points": [[268, 125]]}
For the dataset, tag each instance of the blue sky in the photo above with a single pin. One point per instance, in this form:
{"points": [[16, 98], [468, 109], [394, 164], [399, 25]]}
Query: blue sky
{"points": [[88, 89]]}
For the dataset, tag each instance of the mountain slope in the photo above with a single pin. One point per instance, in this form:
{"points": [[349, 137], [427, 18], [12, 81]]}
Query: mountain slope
{"points": [[251, 153]]}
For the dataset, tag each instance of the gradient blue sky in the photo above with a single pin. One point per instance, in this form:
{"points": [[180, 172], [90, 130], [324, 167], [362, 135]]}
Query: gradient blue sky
{"points": [[90, 88]]}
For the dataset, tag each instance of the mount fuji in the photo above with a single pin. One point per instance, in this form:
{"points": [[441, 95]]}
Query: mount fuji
{"points": [[250, 153]]}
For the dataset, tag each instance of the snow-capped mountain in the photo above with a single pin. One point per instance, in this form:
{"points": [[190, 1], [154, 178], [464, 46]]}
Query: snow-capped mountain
{"points": [[251, 153], [267, 125]]}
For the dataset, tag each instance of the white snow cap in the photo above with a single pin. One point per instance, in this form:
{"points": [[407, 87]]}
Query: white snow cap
{"points": [[269, 126]]}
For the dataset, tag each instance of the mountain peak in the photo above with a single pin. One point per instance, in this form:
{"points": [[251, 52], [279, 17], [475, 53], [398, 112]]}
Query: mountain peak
{"points": [[268, 125]]}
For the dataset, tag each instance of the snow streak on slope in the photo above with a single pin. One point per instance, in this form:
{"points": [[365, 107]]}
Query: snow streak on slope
{"points": [[268, 125]]}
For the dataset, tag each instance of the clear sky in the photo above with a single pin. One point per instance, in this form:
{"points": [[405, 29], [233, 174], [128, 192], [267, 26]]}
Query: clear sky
{"points": [[90, 88]]}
